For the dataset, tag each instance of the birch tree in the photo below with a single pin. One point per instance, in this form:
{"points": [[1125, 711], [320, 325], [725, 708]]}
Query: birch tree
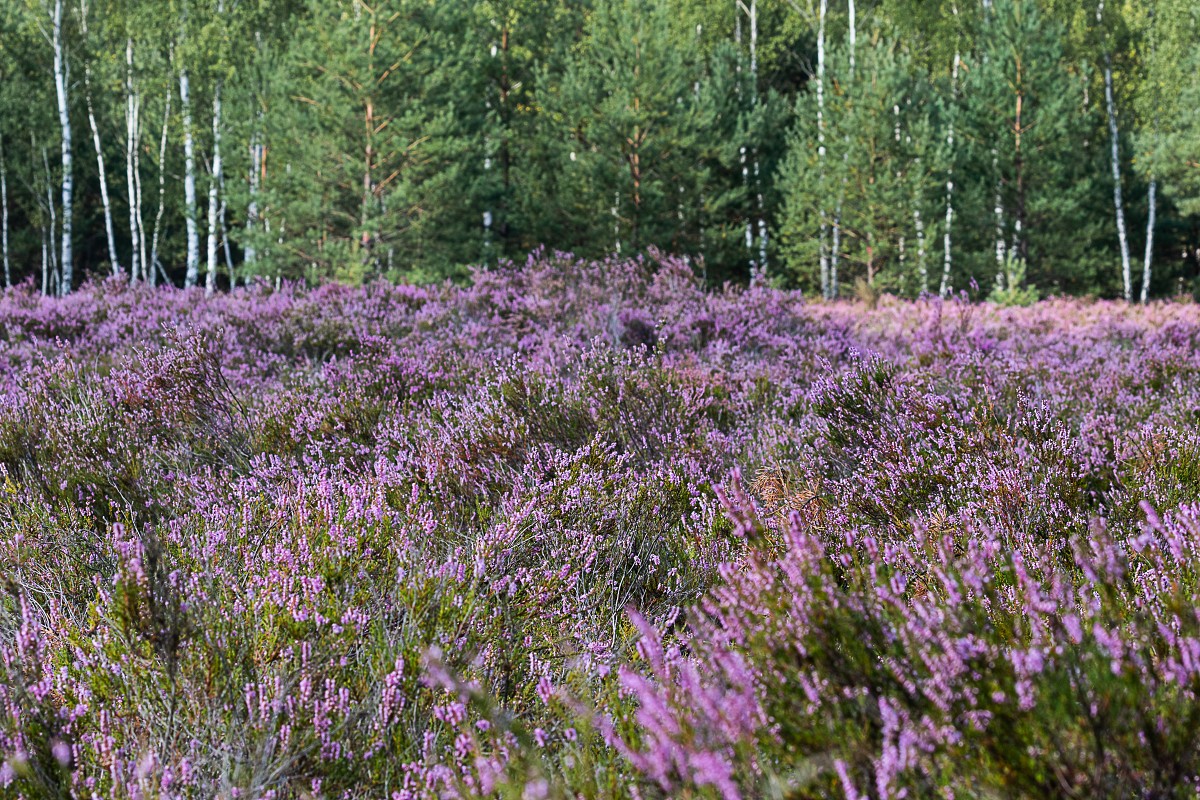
{"points": [[951, 116], [214, 186], [132, 129], [51, 278], [216, 176], [821, 152], [61, 84], [1167, 144], [192, 276], [113, 260], [1115, 160], [413, 139], [256, 150], [154, 266], [835, 255]]}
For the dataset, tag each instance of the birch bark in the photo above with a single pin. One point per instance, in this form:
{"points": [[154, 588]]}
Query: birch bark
{"points": [[192, 276], [1118, 203], [54, 281], [1151, 196], [61, 77], [947, 263], [113, 260], [822, 245], [214, 191], [153, 265], [1114, 135], [250, 253], [131, 127], [837, 213], [758, 189]]}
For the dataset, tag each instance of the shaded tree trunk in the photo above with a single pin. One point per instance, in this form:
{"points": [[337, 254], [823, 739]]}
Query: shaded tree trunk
{"points": [[50, 282], [226, 248], [4, 218], [154, 266], [1018, 238]]}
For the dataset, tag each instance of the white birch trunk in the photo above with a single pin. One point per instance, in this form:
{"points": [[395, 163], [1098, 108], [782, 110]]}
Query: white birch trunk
{"points": [[61, 70], [214, 192], [113, 260], [137, 190], [135, 260], [922, 266], [250, 254], [1126, 275], [1119, 206], [998, 214], [822, 244], [835, 250], [748, 230], [143, 254], [947, 261], [837, 213], [153, 266], [488, 216], [189, 183], [758, 189], [616, 222], [45, 265], [853, 36], [1151, 197]]}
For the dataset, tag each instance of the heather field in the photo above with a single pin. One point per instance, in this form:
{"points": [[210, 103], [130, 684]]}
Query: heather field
{"points": [[586, 530]]}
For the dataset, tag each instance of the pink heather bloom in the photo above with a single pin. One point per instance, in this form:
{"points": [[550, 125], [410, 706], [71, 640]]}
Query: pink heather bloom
{"points": [[61, 752]]}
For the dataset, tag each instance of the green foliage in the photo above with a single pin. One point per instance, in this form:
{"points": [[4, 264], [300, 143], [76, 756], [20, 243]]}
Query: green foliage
{"points": [[879, 164], [413, 140], [1010, 288]]}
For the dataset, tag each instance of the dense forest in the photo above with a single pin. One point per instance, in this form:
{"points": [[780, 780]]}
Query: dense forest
{"points": [[1008, 147]]}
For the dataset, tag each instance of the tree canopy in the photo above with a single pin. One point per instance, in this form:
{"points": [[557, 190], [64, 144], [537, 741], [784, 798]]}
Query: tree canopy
{"points": [[913, 146]]}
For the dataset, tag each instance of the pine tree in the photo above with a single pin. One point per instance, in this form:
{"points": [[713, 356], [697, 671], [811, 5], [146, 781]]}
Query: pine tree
{"points": [[875, 126], [632, 134], [1030, 162]]}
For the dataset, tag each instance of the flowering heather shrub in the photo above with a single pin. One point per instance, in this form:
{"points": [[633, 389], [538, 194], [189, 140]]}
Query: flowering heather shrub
{"points": [[414, 542]]}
